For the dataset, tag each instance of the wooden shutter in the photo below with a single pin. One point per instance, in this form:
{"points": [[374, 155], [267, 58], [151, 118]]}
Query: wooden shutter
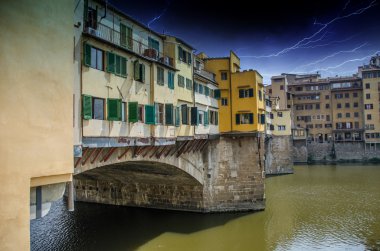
{"points": [[129, 38], [184, 111], [118, 66], [250, 92], [263, 119], [123, 35], [86, 54], [194, 115], [205, 117], [123, 71], [132, 111], [189, 58], [142, 71], [149, 114], [87, 107], [169, 114], [251, 118], [241, 93], [237, 119], [217, 93], [177, 116], [136, 67], [110, 62], [114, 109]]}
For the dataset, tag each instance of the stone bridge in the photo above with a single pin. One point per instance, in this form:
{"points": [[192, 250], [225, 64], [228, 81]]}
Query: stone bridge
{"points": [[203, 175]]}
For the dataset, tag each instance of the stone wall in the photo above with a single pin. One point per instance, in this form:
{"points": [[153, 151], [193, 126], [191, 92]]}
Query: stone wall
{"points": [[279, 155], [320, 151], [299, 151], [231, 167]]}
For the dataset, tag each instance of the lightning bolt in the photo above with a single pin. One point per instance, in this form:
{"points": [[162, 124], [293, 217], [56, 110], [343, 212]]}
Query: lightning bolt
{"points": [[329, 43], [156, 18], [305, 40], [330, 56], [349, 61], [346, 5]]}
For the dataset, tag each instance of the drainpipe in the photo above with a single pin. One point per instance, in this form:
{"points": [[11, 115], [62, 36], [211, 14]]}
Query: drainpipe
{"points": [[105, 12], [151, 98]]}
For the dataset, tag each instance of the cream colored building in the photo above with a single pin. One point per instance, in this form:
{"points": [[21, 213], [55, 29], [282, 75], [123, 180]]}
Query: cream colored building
{"points": [[36, 129]]}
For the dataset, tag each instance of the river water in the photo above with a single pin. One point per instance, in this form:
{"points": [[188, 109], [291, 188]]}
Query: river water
{"points": [[317, 208]]}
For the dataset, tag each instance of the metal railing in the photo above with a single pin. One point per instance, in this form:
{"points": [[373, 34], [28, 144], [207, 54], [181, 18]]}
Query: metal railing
{"points": [[205, 74], [107, 33]]}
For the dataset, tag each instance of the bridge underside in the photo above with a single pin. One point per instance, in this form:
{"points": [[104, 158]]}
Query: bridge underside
{"points": [[140, 184]]}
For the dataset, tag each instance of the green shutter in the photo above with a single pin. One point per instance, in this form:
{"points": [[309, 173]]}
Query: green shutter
{"points": [[170, 80], [142, 67], [132, 111], [149, 114], [87, 107], [207, 91], [189, 58], [114, 109], [123, 35], [217, 93], [184, 115], [110, 62], [177, 118], [118, 66], [129, 38], [86, 54], [169, 114], [194, 115], [136, 67], [123, 67], [206, 115], [237, 119]]}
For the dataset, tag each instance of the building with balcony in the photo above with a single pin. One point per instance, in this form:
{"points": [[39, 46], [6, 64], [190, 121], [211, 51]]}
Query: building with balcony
{"points": [[242, 101], [206, 95], [371, 98]]}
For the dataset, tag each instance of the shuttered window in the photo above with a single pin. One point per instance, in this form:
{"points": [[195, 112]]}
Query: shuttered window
{"points": [[159, 113], [194, 115], [195, 86], [217, 93], [206, 118], [262, 119], [123, 35], [152, 43], [189, 84], [132, 111], [181, 81], [86, 54], [129, 38], [139, 71], [160, 76], [116, 64], [87, 107], [244, 118], [177, 116], [207, 91], [246, 93], [149, 114], [111, 62], [169, 114], [184, 113], [114, 109], [171, 80]]}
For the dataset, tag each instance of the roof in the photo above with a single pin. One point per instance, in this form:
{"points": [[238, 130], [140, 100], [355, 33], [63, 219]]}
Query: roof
{"points": [[179, 40]]}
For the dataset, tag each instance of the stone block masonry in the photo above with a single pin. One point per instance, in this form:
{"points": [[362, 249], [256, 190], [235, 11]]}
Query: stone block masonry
{"points": [[231, 166], [279, 155]]}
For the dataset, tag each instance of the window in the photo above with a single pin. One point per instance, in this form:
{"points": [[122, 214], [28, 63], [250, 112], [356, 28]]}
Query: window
{"points": [[260, 95], [328, 125], [370, 127], [327, 117], [357, 125], [244, 118], [299, 107], [185, 114], [279, 114], [194, 115], [160, 76], [281, 127], [123, 111], [159, 113], [339, 115], [327, 106], [245, 93], [224, 101], [223, 75], [150, 117], [169, 118], [327, 97], [348, 115], [177, 116], [317, 106], [96, 58], [200, 117], [207, 91], [271, 115], [153, 44], [98, 108], [355, 94], [368, 106], [92, 16], [270, 91], [367, 86], [368, 96], [125, 36], [200, 89], [308, 107], [181, 81], [369, 117], [281, 87], [133, 112], [339, 105], [189, 84], [356, 114], [114, 109], [346, 95], [171, 80], [212, 117], [347, 105], [356, 104], [183, 55], [216, 93], [116, 64], [140, 113], [299, 89], [139, 71]]}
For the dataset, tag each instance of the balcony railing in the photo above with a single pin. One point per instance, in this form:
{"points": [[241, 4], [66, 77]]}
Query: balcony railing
{"points": [[205, 74], [107, 33]]}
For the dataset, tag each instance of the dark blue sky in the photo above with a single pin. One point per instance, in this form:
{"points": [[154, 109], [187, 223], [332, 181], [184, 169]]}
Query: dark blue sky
{"points": [[271, 36]]}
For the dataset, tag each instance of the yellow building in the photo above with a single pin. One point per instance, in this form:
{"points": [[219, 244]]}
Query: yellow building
{"points": [[371, 97], [182, 54], [36, 128], [242, 102]]}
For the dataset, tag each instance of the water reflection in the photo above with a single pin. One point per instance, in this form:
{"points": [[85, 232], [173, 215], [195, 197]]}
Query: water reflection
{"points": [[317, 208]]}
